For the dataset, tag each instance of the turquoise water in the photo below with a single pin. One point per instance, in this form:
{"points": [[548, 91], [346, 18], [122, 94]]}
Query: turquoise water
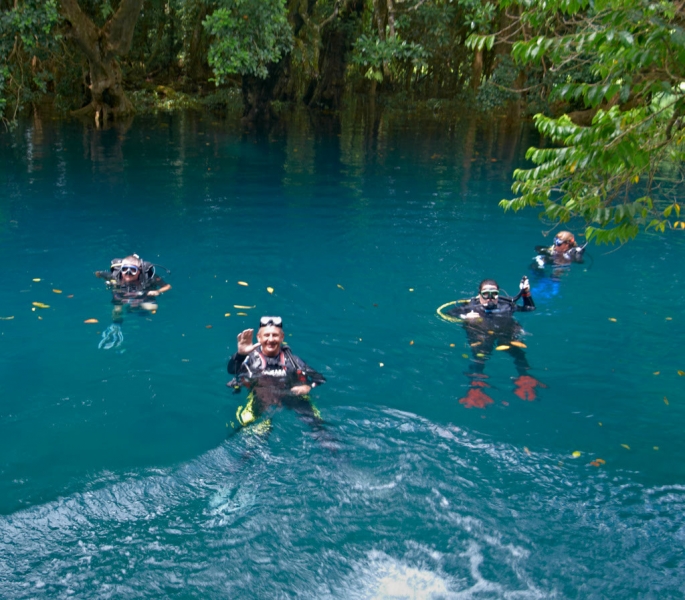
{"points": [[118, 474]]}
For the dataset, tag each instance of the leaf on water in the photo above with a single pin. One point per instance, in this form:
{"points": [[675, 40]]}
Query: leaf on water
{"points": [[411, 343], [185, 360], [518, 344], [681, 373], [525, 449], [626, 446], [381, 364], [91, 321], [452, 345], [40, 305], [464, 355], [70, 296], [243, 307], [595, 463], [669, 318], [655, 447], [36, 280], [576, 454], [6, 318], [57, 291], [243, 283], [612, 319], [480, 355], [227, 315], [665, 401], [208, 326], [656, 372], [411, 289], [601, 461], [341, 287], [502, 347], [475, 344], [270, 290], [241, 314]]}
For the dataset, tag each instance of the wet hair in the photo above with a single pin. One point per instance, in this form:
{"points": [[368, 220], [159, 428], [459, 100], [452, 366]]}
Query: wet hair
{"points": [[487, 282], [133, 259], [567, 236]]}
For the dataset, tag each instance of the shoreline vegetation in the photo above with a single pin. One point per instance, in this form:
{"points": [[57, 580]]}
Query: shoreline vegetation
{"points": [[603, 81]]}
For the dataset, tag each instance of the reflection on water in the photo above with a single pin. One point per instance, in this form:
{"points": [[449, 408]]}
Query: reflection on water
{"points": [[119, 477]]}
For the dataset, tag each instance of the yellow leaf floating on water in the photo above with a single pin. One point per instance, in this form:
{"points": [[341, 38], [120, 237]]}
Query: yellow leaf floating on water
{"points": [[6, 318], [243, 307], [475, 344], [681, 373], [480, 355], [669, 318], [626, 446], [464, 355], [341, 287], [241, 314], [612, 319], [89, 321], [270, 290], [601, 461], [57, 291], [208, 326], [518, 344], [576, 454], [411, 343], [665, 401], [452, 345], [411, 289], [656, 372], [40, 305], [227, 315], [243, 283], [381, 364], [36, 280], [525, 449], [502, 347], [656, 447]]}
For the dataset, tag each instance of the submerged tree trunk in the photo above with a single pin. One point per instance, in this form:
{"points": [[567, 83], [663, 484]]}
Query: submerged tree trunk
{"points": [[103, 46]]}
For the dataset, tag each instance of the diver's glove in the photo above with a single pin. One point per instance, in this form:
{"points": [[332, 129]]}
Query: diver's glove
{"points": [[524, 286], [112, 337]]}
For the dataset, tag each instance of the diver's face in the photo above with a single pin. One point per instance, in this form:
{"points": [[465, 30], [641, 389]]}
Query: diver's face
{"points": [[561, 246], [488, 296], [130, 273], [270, 338]]}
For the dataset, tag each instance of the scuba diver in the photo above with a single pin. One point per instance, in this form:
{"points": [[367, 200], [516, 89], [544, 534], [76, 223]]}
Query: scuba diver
{"points": [[558, 257], [563, 252], [134, 284], [489, 324], [274, 376]]}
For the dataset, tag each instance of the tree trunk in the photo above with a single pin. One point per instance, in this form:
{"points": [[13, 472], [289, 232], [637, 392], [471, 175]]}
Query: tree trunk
{"points": [[102, 46], [337, 39]]}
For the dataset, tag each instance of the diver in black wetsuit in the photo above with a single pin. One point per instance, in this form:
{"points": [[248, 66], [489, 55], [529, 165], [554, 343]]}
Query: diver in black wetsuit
{"points": [[273, 374], [134, 284], [489, 323], [563, 252]]}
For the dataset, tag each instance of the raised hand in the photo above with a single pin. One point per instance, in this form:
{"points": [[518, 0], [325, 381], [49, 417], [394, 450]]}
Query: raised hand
{"points": [[245, 345]]}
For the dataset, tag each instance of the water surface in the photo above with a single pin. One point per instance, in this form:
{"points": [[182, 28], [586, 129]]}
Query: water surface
{"points": [[119, 474]]}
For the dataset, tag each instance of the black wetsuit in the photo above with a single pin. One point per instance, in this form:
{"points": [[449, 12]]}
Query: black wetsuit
{"points": [[270, 380], [133, 294], [547, 256], [494, 326]]}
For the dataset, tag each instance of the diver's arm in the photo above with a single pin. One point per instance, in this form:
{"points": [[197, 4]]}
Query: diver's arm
{"points": [[161, 290], [309, 377], [235, 362], [159, 286], [528, 303], [104, 274]]}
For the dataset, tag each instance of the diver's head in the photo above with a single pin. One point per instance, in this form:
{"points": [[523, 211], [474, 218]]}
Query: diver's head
{"points": [[270, 335], [131, 267], [564, 241], [488, 293]]}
